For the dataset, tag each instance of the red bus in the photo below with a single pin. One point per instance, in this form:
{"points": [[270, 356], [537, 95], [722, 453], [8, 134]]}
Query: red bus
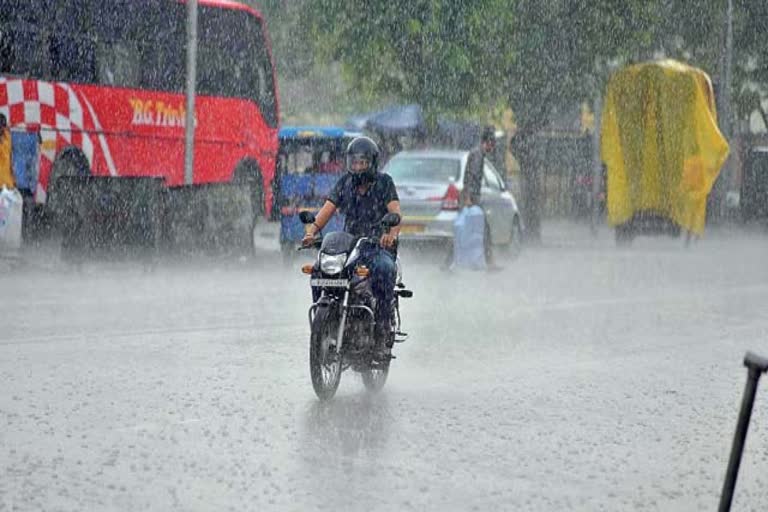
{"points": [[102, 82]]}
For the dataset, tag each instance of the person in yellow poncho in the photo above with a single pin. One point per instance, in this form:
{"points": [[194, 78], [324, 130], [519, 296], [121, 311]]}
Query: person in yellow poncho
{"points": [[6, 155], [661, 144]]}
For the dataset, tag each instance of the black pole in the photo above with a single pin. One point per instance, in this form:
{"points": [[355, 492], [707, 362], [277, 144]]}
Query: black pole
{"points": [[756, 365]]}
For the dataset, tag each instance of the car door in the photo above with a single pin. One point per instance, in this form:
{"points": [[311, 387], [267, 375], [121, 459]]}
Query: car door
{"points": [[498, 209]]}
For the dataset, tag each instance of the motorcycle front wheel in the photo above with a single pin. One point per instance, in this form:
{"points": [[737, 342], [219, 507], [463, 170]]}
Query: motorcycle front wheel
{"points": [[324, 360]]}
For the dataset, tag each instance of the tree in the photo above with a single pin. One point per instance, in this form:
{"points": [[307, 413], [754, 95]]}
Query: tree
{"points": [[565, 51], [434, 53], [284, 23], [464, 56], [537, 57]]}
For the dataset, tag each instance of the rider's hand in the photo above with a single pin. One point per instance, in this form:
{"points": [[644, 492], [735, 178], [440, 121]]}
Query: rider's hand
{"points": [[308, 240], [388, 240]]}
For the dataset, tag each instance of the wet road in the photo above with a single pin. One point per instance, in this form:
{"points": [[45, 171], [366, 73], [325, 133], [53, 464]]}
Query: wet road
{"points": [[580, 378]]}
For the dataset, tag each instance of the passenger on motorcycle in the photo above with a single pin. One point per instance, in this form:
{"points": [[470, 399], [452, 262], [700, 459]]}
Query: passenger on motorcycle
{"points": [[364, 196]]}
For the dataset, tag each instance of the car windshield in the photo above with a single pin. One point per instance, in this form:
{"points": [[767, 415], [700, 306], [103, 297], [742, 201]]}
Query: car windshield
{"points": [[427, 170]]}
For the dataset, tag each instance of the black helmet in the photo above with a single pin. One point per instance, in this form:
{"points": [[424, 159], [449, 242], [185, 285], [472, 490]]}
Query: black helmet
{"points": [[363, 148]]}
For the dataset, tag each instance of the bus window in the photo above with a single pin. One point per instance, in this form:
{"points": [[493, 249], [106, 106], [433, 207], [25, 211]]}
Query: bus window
{"points": [[119, 64], [160, 32], [163, 64], [73, 58], [72, 18], [222, 46], [22, 52], [264, 89], [7, 57], [18, 13], [231, 64]]}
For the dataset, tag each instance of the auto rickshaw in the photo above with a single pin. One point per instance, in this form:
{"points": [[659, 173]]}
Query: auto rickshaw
{"points": [[662, 148], [310, 161]]}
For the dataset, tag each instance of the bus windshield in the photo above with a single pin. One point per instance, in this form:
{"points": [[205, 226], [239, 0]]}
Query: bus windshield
{"points": [[138, 44]]}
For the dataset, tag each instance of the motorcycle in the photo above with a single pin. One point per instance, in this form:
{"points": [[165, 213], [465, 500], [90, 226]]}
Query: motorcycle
{"points": [[341, 319]]}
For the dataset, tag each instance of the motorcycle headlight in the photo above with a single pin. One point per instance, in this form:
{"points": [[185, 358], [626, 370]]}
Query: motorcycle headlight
{"points": [[332, 264]]}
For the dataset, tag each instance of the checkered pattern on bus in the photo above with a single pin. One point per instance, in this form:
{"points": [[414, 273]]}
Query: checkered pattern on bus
{"points": [[57, 111]]}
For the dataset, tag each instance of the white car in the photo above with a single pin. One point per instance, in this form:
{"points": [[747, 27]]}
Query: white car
{"points": [[429, 184]]}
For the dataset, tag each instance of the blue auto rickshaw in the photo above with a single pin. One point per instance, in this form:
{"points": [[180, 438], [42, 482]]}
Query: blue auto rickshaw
{"points": [[310, 161]]}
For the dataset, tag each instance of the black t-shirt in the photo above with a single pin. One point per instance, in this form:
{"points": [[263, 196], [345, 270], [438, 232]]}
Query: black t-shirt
{"points": [[363, 212]]}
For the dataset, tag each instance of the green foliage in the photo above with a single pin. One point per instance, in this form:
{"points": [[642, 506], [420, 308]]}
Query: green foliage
{"points": [[293, 54], [423, 51], [539, 57]]}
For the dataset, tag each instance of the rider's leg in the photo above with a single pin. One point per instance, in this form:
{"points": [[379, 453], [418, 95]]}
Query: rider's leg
{"points": [[383, 275]]}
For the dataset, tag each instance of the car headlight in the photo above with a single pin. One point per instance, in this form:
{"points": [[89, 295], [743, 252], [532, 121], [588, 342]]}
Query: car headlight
{"points": [[332, 263]]}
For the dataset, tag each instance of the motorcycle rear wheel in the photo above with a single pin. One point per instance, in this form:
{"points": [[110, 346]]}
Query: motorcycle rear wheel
{"points": [[324, 360], [375, 378]]}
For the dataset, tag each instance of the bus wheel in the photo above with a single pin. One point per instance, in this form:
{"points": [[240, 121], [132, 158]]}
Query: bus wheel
{"points": [[60, 196], [61, 204], [247, 174]]}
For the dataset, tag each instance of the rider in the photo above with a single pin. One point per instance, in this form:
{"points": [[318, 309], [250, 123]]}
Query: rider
{"points": [[364, 196]]}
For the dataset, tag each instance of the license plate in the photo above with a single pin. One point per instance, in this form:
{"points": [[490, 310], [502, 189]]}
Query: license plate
{"points": [[411, 228], [330, 283]]}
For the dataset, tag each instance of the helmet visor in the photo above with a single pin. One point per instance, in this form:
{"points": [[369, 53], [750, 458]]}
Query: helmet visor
{"points": [[358, 163]]}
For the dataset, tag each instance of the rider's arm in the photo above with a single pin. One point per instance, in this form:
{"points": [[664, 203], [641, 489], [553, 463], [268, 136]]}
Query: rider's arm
{"points": [[394, 207], [322, 218]]}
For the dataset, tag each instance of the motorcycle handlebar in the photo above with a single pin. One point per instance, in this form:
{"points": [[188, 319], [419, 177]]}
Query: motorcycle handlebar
{"points": [[318, 240], [383, 228]]}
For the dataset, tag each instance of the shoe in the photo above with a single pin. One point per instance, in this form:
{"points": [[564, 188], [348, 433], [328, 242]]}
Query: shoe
{"points": [[494, 268]]}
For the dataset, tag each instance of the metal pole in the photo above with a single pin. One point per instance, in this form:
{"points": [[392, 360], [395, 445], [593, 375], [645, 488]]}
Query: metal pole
{"points": [[189, 132], [757, 366], [738, 441]]}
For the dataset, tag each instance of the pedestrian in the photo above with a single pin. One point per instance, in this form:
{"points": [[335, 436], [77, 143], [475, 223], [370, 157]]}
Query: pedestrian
{"points": [[6, 156], [471, 194], [11, 203]]}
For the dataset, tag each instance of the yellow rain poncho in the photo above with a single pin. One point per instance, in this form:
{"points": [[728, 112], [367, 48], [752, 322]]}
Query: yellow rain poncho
{"points": [[660, 143]]}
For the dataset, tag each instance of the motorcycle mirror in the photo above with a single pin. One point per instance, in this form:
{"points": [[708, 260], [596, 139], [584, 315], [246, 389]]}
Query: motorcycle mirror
{"points": [[391, 220], [306, 217]]}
